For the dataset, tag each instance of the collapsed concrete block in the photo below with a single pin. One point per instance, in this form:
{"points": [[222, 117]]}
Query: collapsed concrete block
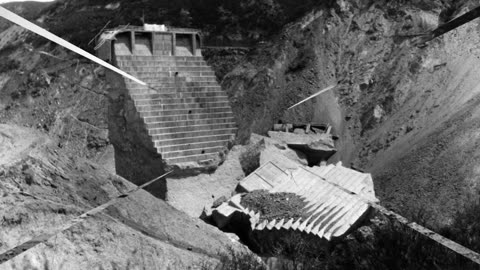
{"points": [[337, 198], [278, 150], [222, 214], [317, 147], [191, 194]]}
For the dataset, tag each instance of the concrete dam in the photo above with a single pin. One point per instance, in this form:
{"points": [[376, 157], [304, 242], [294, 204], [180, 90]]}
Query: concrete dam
{"points": [[182, 114]]}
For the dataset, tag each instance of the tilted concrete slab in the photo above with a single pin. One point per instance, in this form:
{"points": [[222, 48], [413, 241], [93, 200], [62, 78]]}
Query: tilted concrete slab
{"points": [[266, 177], [354, 181], [333, 207]]}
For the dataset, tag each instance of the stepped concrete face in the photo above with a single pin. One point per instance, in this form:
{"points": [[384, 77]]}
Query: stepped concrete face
{"points": [[182, 116]]}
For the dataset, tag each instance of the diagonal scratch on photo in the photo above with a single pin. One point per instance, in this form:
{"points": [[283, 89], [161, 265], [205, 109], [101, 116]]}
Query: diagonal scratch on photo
{"points": [[240, 135]]}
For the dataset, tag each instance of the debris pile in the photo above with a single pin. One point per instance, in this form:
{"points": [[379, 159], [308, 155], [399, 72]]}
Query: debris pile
{"points": [[285, 195], [284, 205], [324, 200], [315, 141]]}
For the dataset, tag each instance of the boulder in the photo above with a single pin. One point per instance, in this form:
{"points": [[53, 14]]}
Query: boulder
{"points": [[274, 149]]}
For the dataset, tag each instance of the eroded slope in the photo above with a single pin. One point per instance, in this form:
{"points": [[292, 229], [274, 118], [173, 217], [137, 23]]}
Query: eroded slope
{"points": [[407, 114], [42, 189]]}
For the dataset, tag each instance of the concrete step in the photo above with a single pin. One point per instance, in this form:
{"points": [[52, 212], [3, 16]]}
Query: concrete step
{"points": [[180, 147], [175, 90], [159, 58], [147, 74], [186, 117], [195, 122], [134, 69], [191, 94], [166, 79], [163, 101], [148, 63], [174, 79], [186, 111], [180, 106], [156, 67], [191, 152], [201, 79], [192, 134], [194, 158], [191, 128], [162, 74], [189, 140], [159, 85]]}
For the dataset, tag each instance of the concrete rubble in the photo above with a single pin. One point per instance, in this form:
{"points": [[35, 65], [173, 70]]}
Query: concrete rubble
{"points": [[330, 193], [315, 141]]}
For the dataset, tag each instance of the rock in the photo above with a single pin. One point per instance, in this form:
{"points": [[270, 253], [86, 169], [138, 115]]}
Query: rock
{"points": [[206, 214], [87, 81], [29, 176], [219, 201], [292, 138], [433, 64], [277, 150], [364, 234], [96, 141], [15, 142], [378, 112], [409, 128], [299, 131], [233, 237], [315, 147], [99, 71], [250, 157], [426, 21]]}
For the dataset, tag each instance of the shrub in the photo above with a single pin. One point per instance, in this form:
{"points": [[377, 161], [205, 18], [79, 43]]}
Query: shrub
{"points": [[466, 227], [389, 245], [275, 205], [8, 64], [250, 159]]}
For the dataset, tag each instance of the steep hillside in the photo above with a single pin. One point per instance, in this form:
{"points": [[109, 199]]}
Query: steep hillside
{"points": [[54, 145], [224, 23], [43, 188], [57, 93], [28, 9], [404, 113]]}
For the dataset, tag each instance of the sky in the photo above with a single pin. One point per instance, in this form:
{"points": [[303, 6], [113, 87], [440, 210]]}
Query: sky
{"points": [[7, 1]]}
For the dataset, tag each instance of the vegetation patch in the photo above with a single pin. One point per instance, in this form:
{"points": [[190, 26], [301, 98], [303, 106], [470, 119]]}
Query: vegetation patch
{"points": [[7, 64], [382, 245], [466, 227], [275, 205], [235, 260], [223, 60], [250, 159]]}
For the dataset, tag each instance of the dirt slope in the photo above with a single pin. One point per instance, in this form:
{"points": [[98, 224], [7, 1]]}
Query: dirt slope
{"points": [[435, 162], [145, 231], [27, 9]]}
